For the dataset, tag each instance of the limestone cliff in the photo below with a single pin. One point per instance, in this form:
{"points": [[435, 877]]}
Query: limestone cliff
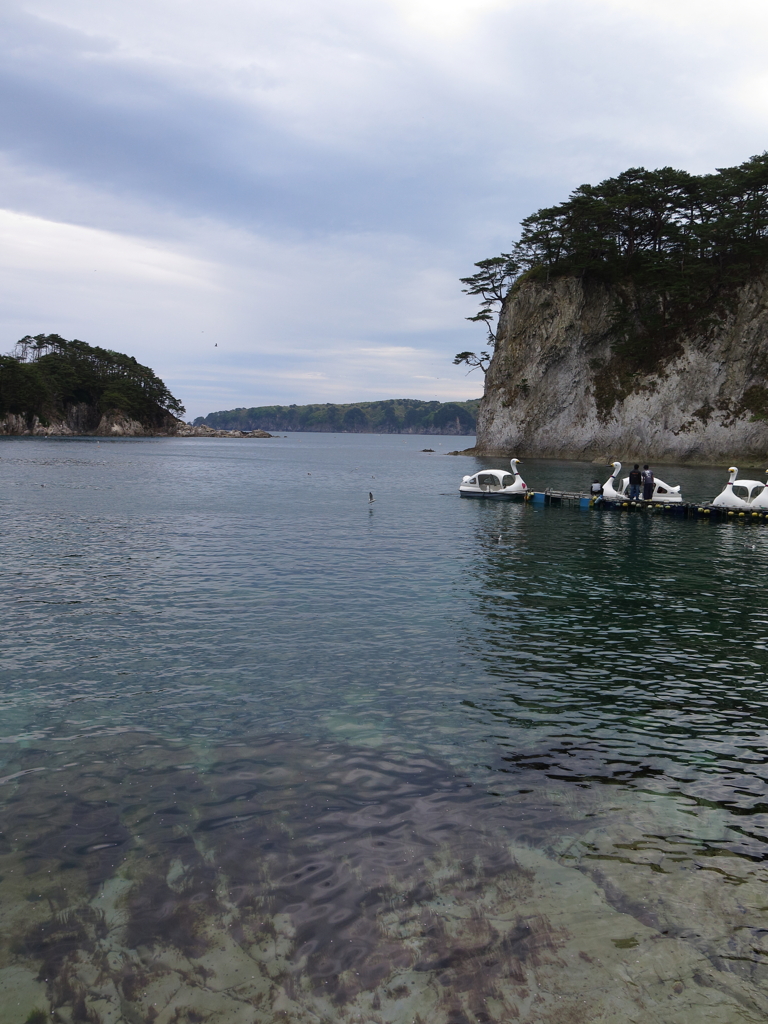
{"points": [[83, 419], [557, 388]]}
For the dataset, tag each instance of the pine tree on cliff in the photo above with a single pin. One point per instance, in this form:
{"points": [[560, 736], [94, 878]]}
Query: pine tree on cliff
{"points": [[492, 281], [683, 240]]}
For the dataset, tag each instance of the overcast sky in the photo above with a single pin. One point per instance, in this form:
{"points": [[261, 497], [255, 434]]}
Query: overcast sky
{"points": [[273, 203]]}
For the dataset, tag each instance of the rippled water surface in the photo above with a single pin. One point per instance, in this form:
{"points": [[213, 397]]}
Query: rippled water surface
{"points": [[272, 752]]}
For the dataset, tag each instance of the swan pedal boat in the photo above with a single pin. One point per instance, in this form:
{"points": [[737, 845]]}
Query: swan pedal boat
{"points": [[742, 493], [663, 493], [497, 484]]}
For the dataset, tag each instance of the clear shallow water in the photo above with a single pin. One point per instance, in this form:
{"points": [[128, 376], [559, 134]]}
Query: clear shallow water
{"points": [[270, 750]]}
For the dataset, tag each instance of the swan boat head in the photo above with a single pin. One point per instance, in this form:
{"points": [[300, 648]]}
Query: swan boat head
{"points": [[726, 498], [609, 490]]}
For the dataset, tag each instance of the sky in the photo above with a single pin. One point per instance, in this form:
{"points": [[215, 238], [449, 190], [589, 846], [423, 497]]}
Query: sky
{"points": [[273, 203]]}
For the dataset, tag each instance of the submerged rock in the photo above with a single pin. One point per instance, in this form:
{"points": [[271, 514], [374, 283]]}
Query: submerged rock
{"points": [[322, 882]]}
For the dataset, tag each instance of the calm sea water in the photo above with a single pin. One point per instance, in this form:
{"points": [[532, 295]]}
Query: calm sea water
{"points": [[270, 751]]}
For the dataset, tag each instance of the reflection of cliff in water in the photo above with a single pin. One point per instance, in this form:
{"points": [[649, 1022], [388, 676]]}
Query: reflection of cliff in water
{"points": [[310, 882], [625, 660], [616, 656]]}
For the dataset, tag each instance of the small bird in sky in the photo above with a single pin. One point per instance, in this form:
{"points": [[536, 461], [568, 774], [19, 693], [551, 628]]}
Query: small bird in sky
{"points": [[371, 498]]}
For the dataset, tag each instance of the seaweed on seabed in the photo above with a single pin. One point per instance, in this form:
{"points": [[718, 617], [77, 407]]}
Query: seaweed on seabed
{"points": [[94, 838], [160, 916], [298, 880]]}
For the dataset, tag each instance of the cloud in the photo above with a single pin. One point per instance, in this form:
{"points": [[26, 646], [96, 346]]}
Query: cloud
{"points": [[304, 183], [256, 320]]}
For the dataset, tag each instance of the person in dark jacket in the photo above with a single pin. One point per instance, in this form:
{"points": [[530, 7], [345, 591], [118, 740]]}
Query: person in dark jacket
{"points": [[648, 482], [635, 480]]}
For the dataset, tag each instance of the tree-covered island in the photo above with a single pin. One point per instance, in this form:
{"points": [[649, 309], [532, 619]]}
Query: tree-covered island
{"points": [[51, 382], [49, 385], [392, 416]]}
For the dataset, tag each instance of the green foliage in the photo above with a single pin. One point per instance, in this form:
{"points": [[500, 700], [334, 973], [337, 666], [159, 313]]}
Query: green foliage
{"points": [[47, 374], [472, 359], [395, 416], [663, 227], [492, 281], [755, 400], [681, 242]]}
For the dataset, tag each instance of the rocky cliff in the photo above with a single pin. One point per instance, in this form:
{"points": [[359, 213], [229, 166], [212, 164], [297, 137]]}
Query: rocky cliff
{"points": [[558, 385], [83, 419]]}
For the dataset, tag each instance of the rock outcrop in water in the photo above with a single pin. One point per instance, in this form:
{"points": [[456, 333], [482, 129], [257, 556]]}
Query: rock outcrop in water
{"points": [[83, 420], [556, 386]]}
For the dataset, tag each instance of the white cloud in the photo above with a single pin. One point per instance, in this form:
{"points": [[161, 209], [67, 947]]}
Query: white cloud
{"points": [[304, 183], [257, 320], [32, 244]]}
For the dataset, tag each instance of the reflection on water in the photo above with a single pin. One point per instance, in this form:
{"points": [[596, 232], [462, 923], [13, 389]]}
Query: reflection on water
{"points": [[272, 754]]}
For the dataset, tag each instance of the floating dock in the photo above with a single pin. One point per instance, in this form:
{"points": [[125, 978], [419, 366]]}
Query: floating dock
{"points": [[677, 509]]}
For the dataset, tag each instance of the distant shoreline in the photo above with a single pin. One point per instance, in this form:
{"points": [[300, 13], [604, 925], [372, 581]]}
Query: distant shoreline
{"points": [[389, 416]]}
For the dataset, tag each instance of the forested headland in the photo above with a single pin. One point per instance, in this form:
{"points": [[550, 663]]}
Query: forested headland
{"points": [[393, 416], [49, 380], [682, 242], [632, 321]]}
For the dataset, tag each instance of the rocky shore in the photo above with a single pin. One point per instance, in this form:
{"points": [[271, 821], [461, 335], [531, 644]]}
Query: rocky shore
{"points": [[79, 422], [187, 430]]}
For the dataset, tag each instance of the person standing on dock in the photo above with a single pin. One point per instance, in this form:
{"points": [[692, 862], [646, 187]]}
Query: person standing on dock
{"points": [[635, 479], [648, 482]]}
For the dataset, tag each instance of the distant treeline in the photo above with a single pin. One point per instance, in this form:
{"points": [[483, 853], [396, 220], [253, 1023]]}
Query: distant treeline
{"points": [[394, 416], [46, 375]]}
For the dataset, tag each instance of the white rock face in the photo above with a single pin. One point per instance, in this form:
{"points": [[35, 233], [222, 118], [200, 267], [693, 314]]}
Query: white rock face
{"points": [[551, 390], [84, 420]]}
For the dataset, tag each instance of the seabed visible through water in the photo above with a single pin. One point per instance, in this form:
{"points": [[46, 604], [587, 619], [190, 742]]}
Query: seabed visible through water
{"points": [[278, 756], [319, 882]]}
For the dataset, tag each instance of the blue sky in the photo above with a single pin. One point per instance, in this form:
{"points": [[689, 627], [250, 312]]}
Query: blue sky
{"points": [[274, 203]]}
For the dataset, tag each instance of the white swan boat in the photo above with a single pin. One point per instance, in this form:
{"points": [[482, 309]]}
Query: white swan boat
{"points": [[761, 500], [741, 493], [662, 492], [494, 483]]}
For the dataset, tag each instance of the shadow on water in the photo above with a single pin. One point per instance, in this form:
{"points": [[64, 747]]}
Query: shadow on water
{"points": [[289, 878], [628, 684]]}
